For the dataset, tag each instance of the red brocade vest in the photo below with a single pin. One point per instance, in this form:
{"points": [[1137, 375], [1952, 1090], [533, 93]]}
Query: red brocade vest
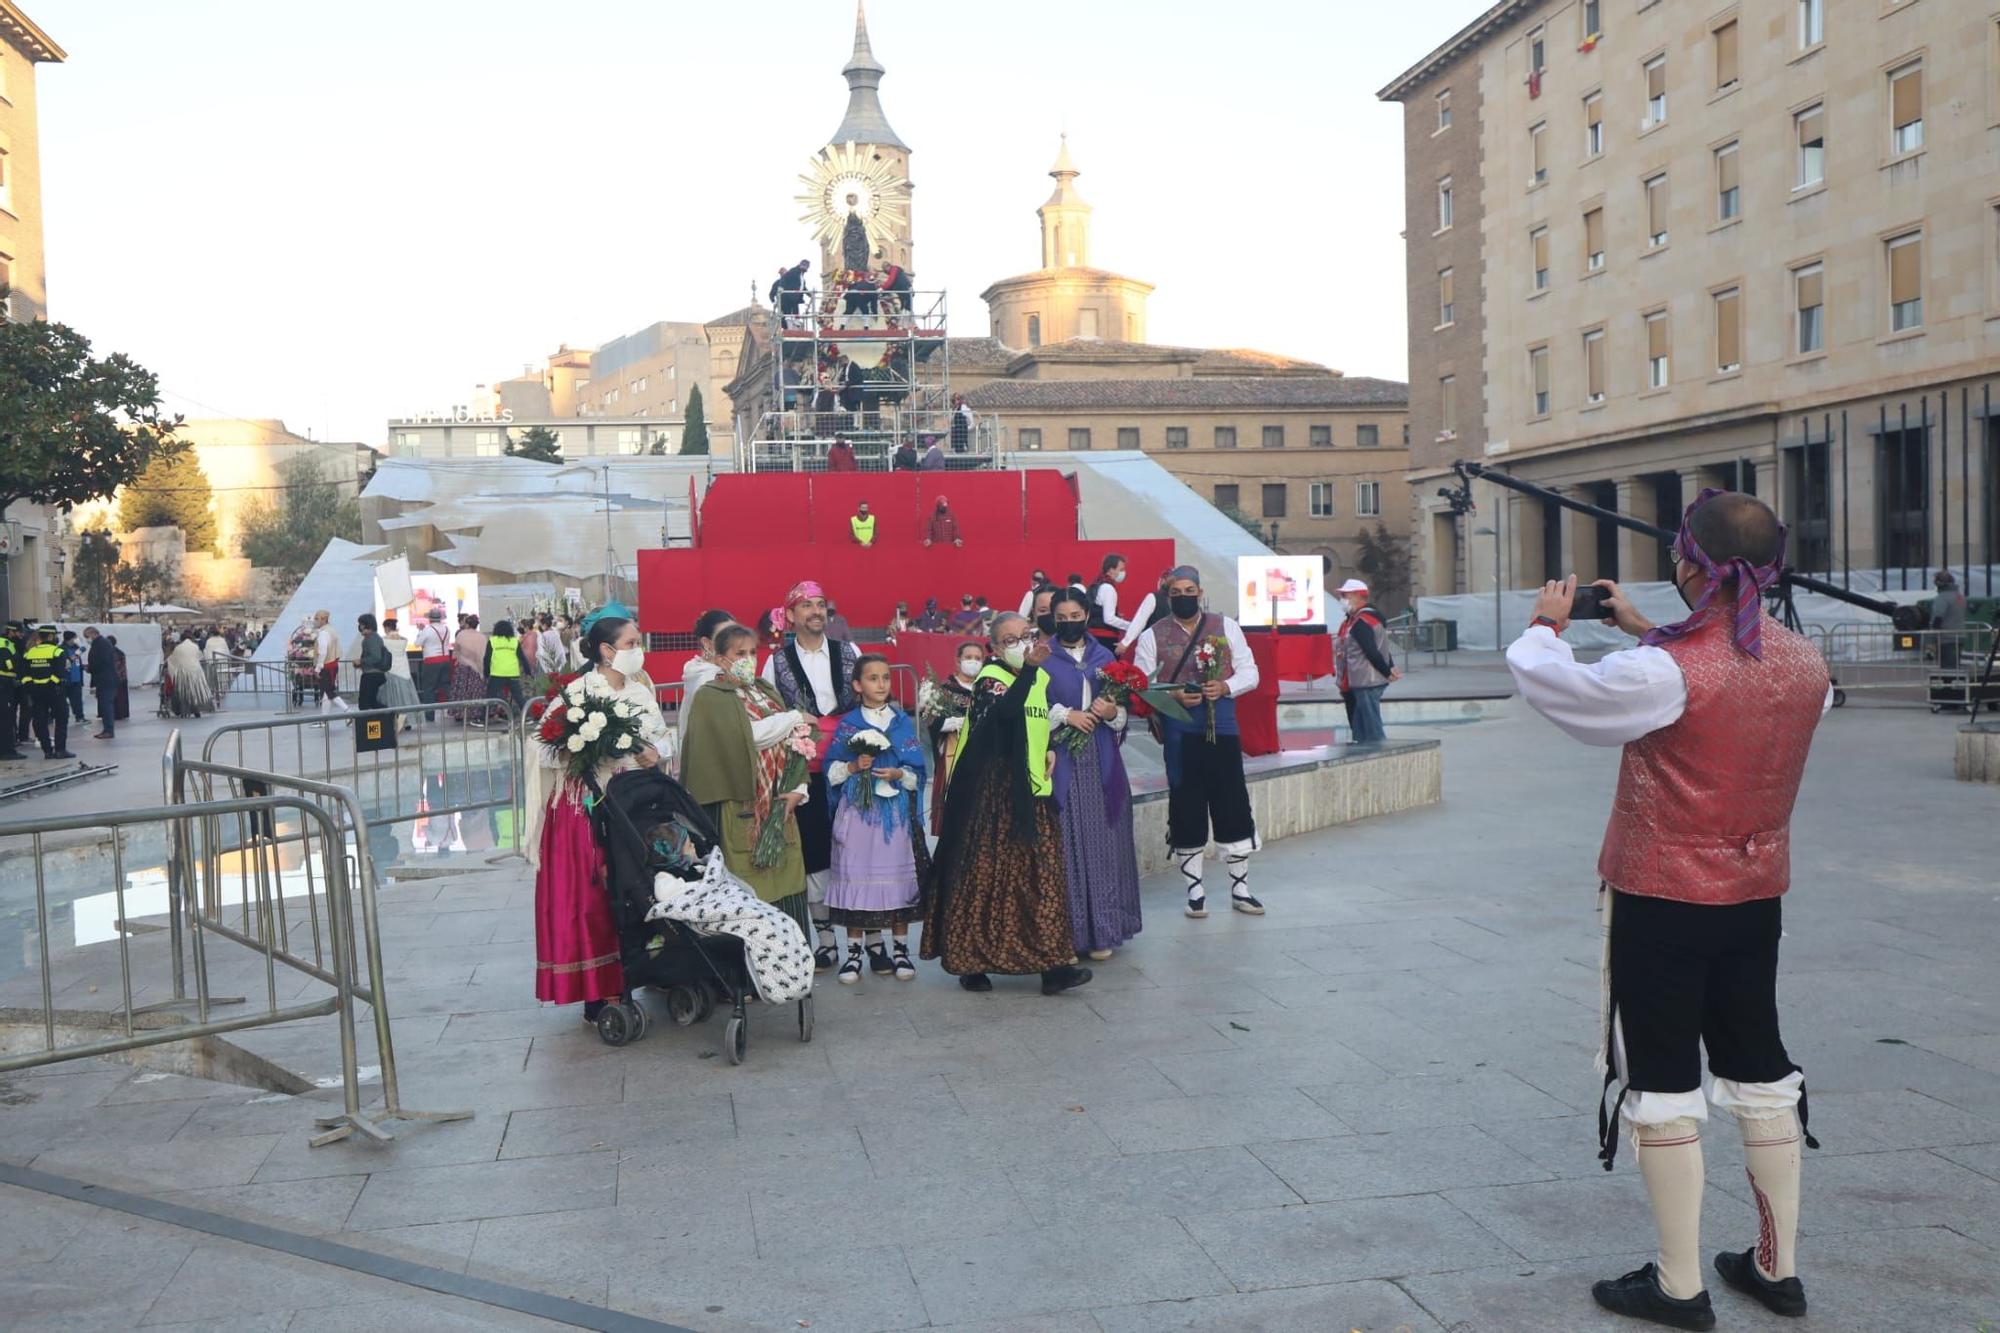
{"points": [[1704, 806]]}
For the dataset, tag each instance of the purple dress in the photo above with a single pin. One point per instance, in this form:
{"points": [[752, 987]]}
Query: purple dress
{"points": [[880, 857], [1094, 799]]}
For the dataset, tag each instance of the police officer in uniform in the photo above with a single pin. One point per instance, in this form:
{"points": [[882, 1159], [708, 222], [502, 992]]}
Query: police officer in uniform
{"points": [[10, 691], [42, 673]]}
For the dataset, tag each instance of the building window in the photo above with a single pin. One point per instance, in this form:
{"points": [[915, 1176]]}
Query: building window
{"points": [[1656, 90], [1443, 100], [1657, 202], [1444, 297], [1810, 125], [1225, 437], [1031, 438], [1809, 293], [1728, 189], [1128, 437], [1593, 240], [1274, 499], [1319, 437], [1593, 125], [6, 180], [1538, 54], [1593, 20], [1593, 366], [639, 385], [1906, 282], [1368, 435], [1538, 381], [629, 441], [1657, 366], [1368, 499], [1725, 56], [1228, 496], [1447, 407], [1538, 153], [1538, 241], [1444, 203], [1034, 330], [1906, 108], [1728, 330], [1177, 437], [1079, 437], [409, 442], [1812, 23], [1274, 437], [486, 443], [1320, 499]]}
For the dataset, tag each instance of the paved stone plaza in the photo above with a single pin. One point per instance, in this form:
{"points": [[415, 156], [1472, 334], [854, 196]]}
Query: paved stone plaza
{"points": [[1371, 1109]]}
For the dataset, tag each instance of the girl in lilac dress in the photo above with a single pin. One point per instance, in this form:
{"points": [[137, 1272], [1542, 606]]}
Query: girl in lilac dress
{"points": [[880, 858]]}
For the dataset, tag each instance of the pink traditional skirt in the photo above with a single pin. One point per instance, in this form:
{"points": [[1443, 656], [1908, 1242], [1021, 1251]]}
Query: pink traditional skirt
{"points": [[576, 942]]}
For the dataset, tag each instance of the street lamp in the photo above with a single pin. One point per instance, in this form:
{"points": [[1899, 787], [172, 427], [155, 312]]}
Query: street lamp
{"points": [[1274, 535], [1494, 533]]}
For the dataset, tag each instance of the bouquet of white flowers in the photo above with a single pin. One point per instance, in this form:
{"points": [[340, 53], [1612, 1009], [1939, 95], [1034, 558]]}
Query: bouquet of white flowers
{"points": [[583, 732], [869, 744]]}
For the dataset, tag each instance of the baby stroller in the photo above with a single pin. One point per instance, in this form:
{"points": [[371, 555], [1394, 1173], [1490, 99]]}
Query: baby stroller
{"points": [[695, 971]]}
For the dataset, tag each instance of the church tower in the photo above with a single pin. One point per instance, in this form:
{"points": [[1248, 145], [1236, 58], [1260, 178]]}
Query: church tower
{"points": [[857, 188], [1065, 218], [1066, 299]]}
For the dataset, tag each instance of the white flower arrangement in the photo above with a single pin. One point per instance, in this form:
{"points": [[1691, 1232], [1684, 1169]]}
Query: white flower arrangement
{"points": [[576, 743], [596, 719], [623, 743]]}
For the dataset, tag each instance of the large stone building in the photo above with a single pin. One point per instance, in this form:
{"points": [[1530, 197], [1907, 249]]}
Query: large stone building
{"points": [[649, 373], [1659, 248], [487, 435]]}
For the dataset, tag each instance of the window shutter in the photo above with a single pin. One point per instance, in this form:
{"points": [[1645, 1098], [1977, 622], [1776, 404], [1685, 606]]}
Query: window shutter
{"points": [[1593, 112], [1540, 357], [1542, 249], [1725, 168], [1593, 231], [1656, 336], [1725, 55], [1812, 127], [1593, 359], [1811, 288], [1444, 288], [1905, 269], [1656, 205], [1656, 80], [1537, 141], [1728, 337], [1906, 96]]}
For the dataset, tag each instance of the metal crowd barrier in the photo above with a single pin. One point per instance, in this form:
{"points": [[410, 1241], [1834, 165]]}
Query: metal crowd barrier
{"points": [[270, 684], [1940, 668], [467, 761]]}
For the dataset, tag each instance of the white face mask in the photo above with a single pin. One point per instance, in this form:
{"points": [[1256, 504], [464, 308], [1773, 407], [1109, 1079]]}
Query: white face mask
{"points": [[1014, 654], [1118, 576], [971, 666], [744, 669], [628, 661]]}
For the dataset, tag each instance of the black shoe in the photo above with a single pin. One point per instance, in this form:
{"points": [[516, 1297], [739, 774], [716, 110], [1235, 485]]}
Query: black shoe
{"points": [[825, 957], [879, 961], [975, 981], [1638, 1294], [62, 754], [850, 971], [1067, 977], [1246, 904], [1786, 1295]]}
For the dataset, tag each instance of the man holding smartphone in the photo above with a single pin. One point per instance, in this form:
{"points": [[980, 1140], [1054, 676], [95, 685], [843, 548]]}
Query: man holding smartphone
{"points": [[1715, 714]]}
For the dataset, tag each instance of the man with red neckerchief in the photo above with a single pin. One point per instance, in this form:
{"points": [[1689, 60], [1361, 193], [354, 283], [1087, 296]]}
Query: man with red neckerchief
{"points": [[1715, 714]]}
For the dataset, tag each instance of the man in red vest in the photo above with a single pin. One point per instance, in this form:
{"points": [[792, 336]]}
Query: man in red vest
{"points": [[1715, 714]]}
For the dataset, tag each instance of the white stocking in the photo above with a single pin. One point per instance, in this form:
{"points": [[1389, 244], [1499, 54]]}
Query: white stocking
{"points": [[1670, 1160], [1771, 1160], [1190, 863]]}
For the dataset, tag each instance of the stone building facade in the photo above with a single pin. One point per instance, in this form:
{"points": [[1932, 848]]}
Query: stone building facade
{"points": [[1727, 247]]}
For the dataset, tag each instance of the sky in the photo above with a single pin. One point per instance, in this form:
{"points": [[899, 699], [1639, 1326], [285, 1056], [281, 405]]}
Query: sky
{"points": [[336, 214]]}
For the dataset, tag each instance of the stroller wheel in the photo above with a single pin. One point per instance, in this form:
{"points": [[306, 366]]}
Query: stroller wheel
{"points": [[736, 1040], [615, 1023], [642, 1020], [806, 1019], [685, 1005], [704, 1003]]}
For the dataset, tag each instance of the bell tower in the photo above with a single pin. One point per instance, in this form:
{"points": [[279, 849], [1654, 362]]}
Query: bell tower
{"points": [[1065, 218], [862, 176]]}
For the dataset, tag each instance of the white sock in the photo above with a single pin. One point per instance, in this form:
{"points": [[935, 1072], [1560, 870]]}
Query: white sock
{"points": [[1191, 871], [823, 927], [1238, 866], [1670, 1160], [1771, 1160]]}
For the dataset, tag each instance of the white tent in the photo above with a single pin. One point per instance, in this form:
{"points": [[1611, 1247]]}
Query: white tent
{"points": [[154, 609]]}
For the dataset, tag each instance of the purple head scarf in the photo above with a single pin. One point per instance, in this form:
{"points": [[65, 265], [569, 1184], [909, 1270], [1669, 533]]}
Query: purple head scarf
{"points": [[1751, 581]]}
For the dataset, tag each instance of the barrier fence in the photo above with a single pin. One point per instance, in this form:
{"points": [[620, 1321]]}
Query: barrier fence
{"points": [[1941, 668]]}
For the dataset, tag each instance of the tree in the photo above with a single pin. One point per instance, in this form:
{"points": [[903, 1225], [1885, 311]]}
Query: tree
{"points": [[1386, 562], [146, 583], [694, 430], [287, 535], [1247, 523], [538, 443], [94, 580], [173, 491]]}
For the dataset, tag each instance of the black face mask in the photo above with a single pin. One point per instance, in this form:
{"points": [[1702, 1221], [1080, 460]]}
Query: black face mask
{"points": [[1046, 624], [1186, 606], [1072, 631]]}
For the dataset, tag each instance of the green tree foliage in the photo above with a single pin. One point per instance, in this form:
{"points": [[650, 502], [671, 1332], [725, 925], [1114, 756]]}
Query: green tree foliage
{"points": [[286, 534], [1247, 523], [694, 432], [1386, 562], [173, 491], [94, 579], [538, 443], [146, 583], [73, 427]]}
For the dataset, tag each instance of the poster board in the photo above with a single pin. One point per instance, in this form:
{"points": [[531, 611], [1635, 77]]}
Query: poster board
{"points": [[458, 594], [1280, 591]]}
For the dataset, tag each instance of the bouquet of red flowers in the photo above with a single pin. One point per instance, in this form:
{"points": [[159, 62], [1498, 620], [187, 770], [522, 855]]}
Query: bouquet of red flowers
{"points": [[800, 751], [1121, 685], [583, 732]]}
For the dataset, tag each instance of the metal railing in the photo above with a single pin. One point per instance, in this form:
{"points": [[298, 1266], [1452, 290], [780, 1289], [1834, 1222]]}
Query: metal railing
{"points": [[1940, 668], [797, 440], [268, 684]]}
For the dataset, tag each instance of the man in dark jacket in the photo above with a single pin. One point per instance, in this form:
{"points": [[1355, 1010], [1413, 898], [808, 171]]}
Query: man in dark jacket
{"points": [[1361, 665], [100, 670], [789, 290]]}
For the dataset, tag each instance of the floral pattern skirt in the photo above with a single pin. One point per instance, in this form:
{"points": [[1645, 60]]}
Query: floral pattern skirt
{"points": [[1002, 904]]}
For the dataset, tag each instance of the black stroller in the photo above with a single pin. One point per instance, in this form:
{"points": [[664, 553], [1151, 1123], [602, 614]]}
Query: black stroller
{"points": [[695, 971]]}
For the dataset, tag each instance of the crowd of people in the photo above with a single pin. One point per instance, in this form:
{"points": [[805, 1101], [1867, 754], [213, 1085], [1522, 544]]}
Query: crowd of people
{"points": [[442, 664]]}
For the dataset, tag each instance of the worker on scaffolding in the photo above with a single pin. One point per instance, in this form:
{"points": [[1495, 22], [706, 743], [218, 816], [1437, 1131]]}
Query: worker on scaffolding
{"points": [[789, 290]]}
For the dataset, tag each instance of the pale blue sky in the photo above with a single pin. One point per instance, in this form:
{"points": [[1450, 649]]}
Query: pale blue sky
{"points": [[338, 213]]}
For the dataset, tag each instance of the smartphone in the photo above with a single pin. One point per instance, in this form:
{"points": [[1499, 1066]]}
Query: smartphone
{"points": [[1588, 603]]}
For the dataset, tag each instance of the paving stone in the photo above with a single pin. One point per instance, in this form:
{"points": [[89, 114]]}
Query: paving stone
{"points": [[222, 1279], [1605, 1214], [832, 1290], [1060, 1083], [973, 1142], [176, 1164], [1409, 1161], [411, 1195], [792, 1215], [416, 1143], [1361, 1306], [812, 1108], [697, 1118], [1060, 1267], [1455, 1099], [315, 1207], [1153, 1184], [1880, 1191], [575, 1254], [1321, 1062], [418, 1309], [1311, 1244], [1213, 1120]]}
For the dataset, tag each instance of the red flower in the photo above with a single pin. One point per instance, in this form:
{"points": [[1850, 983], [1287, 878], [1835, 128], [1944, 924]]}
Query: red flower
{"points": [[1126, 675], [553, 728]]}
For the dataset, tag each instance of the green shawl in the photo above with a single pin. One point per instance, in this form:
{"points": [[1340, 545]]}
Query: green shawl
{"points": [[719, 756]]}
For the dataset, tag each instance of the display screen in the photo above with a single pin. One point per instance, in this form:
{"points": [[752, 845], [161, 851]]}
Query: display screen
{"points": [[1280, 590], [458, 594]]}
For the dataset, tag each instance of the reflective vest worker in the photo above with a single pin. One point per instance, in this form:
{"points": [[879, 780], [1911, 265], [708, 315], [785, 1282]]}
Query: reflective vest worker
{"points": [[503, 665], [10, 693], [862, 525], [42, 673]]}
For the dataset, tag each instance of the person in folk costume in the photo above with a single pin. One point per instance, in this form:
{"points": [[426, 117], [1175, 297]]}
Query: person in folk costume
{"points": [[704, 666], [737, 735], [815, 675], [1093, 793], [1106, 625], [948, 733], [576, 936], [1151, 611], [1205, 784], [1715, 715], [999, 899], [400, 689], [468, 668], [880, 856]]}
